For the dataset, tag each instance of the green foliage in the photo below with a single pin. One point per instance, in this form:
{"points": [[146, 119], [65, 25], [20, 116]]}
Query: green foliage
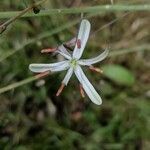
{"points": [[119, 74]]}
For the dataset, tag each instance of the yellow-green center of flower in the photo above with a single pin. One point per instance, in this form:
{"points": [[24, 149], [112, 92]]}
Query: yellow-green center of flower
{"points": [[73, 63]]}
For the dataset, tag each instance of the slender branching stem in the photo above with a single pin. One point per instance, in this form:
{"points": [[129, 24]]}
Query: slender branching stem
{"points": [[18, 15]]}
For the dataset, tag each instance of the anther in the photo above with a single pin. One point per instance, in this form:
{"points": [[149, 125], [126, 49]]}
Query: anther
{"points": [[43, 74], [48, 50], [82, 91], [60, 89], [78, 43], [95, 69]]}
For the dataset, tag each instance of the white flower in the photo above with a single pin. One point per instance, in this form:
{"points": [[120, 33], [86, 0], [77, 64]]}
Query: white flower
{"points": [[73, 63]]}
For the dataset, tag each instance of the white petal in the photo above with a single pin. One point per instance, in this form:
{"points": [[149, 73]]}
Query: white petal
{"points": [[59, 66], [87, 86], [62, 50], [94, 60], [83, 35], [68, 76]]}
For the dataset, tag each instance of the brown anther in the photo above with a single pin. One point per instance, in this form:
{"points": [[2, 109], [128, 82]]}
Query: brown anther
{"points": [[78, 43], [43, 74], [48, 50], [60, 89], [95, 69], [82, 91]]}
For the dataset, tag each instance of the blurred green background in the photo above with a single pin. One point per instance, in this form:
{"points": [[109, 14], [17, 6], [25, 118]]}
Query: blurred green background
{"points": [[33, 118]]}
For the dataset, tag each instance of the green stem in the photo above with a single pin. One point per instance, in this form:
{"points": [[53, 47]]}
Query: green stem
{"points": [[93, 9], [18, 15], [23, 82], [130, 50], [17, 84]]}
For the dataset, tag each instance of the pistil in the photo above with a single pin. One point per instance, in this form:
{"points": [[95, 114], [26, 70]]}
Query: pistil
{"points": [[73, 63]]}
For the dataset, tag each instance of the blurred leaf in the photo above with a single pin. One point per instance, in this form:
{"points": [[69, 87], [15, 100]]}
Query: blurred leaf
{"points": [[119, 74]]}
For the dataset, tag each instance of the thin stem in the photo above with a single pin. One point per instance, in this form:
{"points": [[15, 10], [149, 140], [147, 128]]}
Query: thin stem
{"points": [[110, 23], [23, 82], [130, 50], [18, 15], [79, 10]]}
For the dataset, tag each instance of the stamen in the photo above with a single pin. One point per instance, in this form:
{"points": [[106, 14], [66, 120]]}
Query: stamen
{"points": [[71, 43], [78, 43], [60, 89], [96, 69], [82, 91], [48, 50], [43, 74]]}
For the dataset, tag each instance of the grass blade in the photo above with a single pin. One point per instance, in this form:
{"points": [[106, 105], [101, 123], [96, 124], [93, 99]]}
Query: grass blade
{"points": [[101, 8]]}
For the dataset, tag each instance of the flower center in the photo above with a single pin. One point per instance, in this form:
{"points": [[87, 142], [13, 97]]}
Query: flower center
{"points": [[73, 62]]}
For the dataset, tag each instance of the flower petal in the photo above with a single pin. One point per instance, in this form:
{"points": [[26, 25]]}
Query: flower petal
{"points": [[94, 60], [68, 76], [59, 66], [62, 50], [87, 86], [83, 36]]}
